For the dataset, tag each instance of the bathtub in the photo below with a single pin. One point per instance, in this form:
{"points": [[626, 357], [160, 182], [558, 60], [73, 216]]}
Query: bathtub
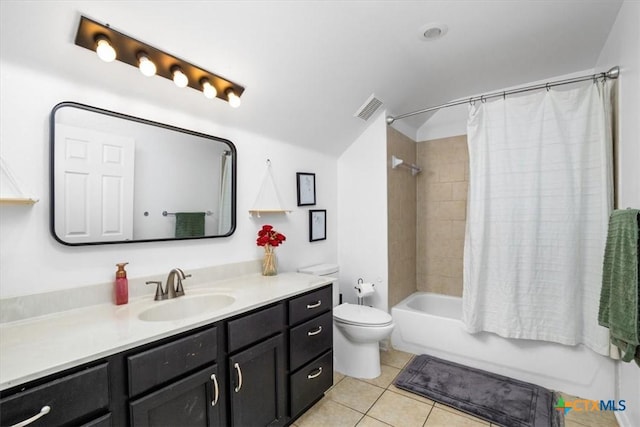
{"points": [[427, 323]]}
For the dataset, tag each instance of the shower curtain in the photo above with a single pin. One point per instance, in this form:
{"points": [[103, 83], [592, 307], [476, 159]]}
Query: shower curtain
{"points": [[540, 194], [224, 205]]}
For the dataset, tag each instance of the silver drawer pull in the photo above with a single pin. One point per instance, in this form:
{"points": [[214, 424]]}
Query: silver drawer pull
{"points": [[316, 332], [316, 375], [44, 411], [315, 304], [239, 386], [215, 390]]}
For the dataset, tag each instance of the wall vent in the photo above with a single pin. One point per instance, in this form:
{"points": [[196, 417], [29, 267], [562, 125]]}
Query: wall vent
{"points": [[369, 107]]}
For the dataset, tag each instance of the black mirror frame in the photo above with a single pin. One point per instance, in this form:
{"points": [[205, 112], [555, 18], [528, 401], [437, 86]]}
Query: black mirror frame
{"points": [[234, 168]]}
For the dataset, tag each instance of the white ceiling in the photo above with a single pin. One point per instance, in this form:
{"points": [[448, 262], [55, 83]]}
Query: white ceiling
{"points": [[309, 65]]}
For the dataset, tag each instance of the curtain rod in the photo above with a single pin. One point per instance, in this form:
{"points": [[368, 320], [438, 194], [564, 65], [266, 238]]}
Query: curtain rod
{"points": [[613, 73]]}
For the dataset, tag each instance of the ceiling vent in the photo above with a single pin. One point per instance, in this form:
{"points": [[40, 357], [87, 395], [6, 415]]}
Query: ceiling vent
{"points": [[369, 107]]}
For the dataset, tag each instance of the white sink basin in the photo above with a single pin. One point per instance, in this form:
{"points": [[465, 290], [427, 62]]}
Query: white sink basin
{"points": [[186, 306]]}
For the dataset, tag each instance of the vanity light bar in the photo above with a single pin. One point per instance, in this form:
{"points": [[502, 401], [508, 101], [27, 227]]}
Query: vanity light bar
{"points": [[129, 51]]}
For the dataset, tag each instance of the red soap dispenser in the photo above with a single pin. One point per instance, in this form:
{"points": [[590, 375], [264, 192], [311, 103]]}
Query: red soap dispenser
{"points": [[122, 285]]}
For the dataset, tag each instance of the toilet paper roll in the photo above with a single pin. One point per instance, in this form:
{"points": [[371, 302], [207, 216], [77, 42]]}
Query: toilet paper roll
{"points": [[364, 289]]}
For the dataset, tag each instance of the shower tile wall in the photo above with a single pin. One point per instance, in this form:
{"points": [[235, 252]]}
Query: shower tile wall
{"points": [[441, 197], [401, 196]]}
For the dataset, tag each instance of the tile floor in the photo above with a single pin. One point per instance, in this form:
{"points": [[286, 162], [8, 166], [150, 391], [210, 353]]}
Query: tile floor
{"points": [[378, 403]]}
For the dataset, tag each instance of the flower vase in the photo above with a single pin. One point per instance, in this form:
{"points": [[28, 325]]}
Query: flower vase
{"points": [[269, 262]]}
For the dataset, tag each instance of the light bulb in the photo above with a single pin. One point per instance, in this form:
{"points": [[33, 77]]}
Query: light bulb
{"points": [[146, 66], [234, 100], [105, 51], [179, 78], [208, 89]]}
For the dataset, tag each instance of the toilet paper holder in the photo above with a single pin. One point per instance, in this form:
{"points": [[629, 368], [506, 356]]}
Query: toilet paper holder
{"points": [[363, 289]]}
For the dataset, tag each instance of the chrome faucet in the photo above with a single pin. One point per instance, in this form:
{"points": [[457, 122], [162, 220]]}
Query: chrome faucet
{"points": [[173, 288]]}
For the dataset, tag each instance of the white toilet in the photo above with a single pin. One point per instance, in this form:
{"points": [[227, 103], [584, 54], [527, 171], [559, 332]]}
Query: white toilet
{"points": [[357, 331]]}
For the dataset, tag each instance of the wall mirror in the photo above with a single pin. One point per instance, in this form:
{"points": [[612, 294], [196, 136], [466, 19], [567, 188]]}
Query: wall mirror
{"points": [[121, 179]]}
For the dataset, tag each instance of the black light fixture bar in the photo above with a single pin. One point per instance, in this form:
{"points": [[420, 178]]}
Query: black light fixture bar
{"points": [[127, 51]]}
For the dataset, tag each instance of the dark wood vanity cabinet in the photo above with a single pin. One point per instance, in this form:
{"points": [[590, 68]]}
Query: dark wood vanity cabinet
{"points": [[310, 348], [264, 367]]}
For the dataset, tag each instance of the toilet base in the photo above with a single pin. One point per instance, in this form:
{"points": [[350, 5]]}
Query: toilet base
{"points": [[358, 360]]}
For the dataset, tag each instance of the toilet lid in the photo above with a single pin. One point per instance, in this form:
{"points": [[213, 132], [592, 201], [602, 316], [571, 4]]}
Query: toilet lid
{"points": [[361, 315]]}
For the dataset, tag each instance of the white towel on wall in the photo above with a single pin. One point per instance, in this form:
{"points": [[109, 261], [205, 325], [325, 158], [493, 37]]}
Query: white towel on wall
{"points": [[540, 194]]}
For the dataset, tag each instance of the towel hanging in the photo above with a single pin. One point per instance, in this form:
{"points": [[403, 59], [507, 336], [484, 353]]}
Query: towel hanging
{"points": [[189, 224], [620, 298]]}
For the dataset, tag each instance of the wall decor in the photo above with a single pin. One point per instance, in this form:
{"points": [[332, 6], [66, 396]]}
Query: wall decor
{"points": [[317, 225], [306, 183]]}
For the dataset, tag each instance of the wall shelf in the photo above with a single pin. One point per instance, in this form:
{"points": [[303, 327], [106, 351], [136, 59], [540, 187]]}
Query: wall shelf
{"points": [[268, 199], [258, 212], [11, 192], [17, 200]]}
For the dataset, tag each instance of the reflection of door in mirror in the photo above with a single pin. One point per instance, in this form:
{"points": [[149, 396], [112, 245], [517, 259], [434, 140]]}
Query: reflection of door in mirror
{"points": [[96, 170], [118, 178]]}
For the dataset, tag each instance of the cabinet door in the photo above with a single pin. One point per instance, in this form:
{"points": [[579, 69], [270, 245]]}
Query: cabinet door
{"points": [[257, 386], [191, 401]]}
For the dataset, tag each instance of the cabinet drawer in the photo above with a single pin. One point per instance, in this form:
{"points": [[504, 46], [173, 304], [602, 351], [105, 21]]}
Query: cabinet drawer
{"points": [[310, 305], [70, 398], [310, 339], [310, 382], [255, 327], [163, 363]]}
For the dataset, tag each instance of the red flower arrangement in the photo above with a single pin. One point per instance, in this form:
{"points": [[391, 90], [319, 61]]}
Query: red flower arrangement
{"points": [[269, 237]]}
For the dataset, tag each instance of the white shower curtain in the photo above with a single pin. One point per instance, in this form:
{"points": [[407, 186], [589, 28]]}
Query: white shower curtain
{"points": [[540, 194], [224, 204]]}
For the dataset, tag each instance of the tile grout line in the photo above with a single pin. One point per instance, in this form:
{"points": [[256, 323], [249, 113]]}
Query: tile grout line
{"points": [[428, 415]]}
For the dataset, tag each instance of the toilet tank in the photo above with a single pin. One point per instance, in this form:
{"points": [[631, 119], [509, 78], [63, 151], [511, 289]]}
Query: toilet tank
{"points": [[331, 270]]}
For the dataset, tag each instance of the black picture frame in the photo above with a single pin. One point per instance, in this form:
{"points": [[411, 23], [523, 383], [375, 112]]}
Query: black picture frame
{"points": [[317, 225], [306, 185]]}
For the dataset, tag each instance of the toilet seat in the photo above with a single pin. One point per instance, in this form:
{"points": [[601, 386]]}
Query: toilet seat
{"points": [[361, 315]]}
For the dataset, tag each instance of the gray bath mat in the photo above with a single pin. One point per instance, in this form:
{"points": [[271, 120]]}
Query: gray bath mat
{"points": [[495, 398]]}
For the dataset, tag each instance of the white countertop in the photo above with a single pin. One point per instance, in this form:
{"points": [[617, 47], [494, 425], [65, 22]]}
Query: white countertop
{"points": [[39, 346]]}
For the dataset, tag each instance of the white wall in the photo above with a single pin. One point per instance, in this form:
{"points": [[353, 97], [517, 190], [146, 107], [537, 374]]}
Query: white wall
{"points": [[622, 48], [447, 122], [31, 261], [362, 216]]}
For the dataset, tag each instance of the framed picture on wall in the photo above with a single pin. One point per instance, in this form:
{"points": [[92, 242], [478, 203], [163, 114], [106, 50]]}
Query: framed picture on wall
{"points": [[306, 183], [317, 225]]}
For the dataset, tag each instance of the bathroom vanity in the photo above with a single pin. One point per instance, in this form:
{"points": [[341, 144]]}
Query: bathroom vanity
{"points": [[261, 360]]}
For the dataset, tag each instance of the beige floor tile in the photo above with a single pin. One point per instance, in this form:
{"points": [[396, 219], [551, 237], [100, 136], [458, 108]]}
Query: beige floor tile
{"points": [[367, 421], [408, 394], [460, 413], [396, 358], [327, 413], [387, 375], [355, 394], [337, 377], [399, 411], [591, 418], [441, 418]]}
